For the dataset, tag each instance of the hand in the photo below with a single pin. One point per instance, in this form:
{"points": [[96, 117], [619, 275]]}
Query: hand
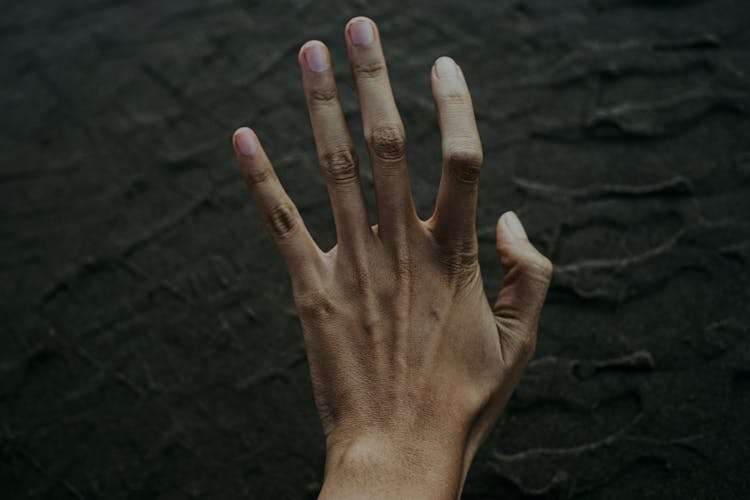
{"points": [[410, 365]]}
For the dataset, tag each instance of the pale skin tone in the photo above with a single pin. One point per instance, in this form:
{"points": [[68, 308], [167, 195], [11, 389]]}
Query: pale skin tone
{"points": [[410, 363]]}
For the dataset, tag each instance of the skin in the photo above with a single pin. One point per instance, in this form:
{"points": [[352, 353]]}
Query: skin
{"points": [[410, 364]]}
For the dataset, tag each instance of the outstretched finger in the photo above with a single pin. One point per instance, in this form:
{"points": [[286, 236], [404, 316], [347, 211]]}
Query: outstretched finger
{"points": [[281, 217], [336, 153], [383, 128], [454, 219]]}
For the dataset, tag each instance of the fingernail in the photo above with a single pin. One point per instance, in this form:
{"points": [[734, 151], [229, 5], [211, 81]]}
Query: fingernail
{"points": [[514, 226], [361, 33], [445, 67], [245, 142], [316, 58]]}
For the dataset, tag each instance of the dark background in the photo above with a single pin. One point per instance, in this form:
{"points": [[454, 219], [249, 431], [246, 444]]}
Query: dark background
{"points": [[149, 346]]}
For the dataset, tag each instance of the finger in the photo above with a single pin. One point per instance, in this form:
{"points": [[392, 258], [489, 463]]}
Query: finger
{"points": [[336, 153], [384, 131], [283, 221], [455, 210], [527, 277]]}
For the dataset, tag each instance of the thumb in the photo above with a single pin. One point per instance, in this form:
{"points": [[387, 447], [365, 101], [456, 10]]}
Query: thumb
{"points": [[527, 277]]}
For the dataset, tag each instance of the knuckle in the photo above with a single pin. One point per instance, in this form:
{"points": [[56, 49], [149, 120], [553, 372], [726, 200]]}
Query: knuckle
{"points": [[388, 142], [537, 265], [465, 164], [323, 95], [340, 166], [314, 305], [255, 176], [460, 262], [282, 220], [373, 69]]}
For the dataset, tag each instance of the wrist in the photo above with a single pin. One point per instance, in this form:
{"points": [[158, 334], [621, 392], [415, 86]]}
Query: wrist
{"points": [[382, 466]]}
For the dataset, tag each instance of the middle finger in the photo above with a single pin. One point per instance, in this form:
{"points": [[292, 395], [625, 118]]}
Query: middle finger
{"points": [[336, 153], [384, 131]]}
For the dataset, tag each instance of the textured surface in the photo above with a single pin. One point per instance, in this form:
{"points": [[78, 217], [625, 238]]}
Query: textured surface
{"points": [[149, 348]]}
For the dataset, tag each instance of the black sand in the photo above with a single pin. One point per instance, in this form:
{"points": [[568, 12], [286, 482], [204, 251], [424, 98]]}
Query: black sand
{"points": [[149, 347]]}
